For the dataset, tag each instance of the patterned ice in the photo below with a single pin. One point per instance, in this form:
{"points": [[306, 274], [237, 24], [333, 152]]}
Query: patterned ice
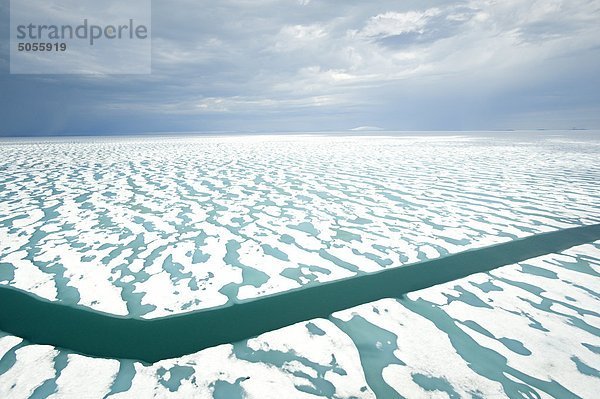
{"points": [[148, 227]]}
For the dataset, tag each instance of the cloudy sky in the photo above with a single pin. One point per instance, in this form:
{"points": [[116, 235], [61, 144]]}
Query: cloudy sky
{"points": [[315, 65]]}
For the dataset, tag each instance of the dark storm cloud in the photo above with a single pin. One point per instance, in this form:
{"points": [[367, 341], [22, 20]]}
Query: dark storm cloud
{"points": [[325, 65]]}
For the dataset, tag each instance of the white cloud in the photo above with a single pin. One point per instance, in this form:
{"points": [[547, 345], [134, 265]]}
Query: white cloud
{"points": [[395, 23], [238, 58], [293, 37]]}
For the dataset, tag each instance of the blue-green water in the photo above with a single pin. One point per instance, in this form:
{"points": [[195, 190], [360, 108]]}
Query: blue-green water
{"points": [[148, 231], [103, 335]]}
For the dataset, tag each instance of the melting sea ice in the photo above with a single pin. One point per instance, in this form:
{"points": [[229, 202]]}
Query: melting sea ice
{"points": [[151, 227]]}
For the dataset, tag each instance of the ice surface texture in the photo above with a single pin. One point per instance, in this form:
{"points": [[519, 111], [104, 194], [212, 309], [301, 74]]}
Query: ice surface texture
{"points": [[524, 329], [100, 334], [155, 227], [158, 226]]}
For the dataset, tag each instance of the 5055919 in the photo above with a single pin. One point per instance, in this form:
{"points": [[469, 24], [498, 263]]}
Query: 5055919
{"points": [[42, 46]]}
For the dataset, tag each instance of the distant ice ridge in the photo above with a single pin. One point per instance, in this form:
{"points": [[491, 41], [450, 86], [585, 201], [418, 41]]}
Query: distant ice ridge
{"points": [[524, 329], [149, 227]]}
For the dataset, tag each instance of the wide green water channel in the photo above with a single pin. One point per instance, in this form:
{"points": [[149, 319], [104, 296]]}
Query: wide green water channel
{"points": [[104, 335]]}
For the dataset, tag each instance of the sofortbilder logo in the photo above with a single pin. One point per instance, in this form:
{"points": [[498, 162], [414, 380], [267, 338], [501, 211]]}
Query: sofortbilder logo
{"points": [[80, 37]]}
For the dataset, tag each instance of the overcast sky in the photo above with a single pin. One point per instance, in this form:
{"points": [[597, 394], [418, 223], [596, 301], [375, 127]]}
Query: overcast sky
{"points": [[314, 65]]}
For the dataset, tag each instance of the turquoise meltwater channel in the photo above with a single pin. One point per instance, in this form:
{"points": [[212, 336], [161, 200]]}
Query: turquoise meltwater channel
{"points": [[104, 335]]}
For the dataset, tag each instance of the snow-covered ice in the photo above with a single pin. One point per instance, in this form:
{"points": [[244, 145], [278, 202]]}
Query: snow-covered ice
{"points": [[149, 227]]}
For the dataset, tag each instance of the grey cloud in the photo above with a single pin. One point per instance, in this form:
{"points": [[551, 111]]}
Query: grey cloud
{"points": [[281, 65]]}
